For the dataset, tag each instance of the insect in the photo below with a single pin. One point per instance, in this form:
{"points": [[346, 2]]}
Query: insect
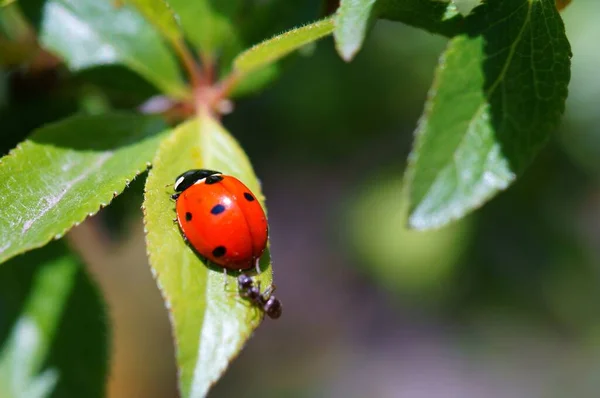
{"points": [[221, 218], [266, 301]]}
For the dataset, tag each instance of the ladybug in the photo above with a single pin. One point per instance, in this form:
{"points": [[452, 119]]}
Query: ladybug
{"points": [[221, 218]]}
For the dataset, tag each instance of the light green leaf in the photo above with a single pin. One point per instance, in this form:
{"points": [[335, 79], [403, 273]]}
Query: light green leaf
{"points": [[67, 171], [38, 294], [352, 21], [87, 33], [354, 18], [161, 15], [210, 322], [498, 93], [466, 6], [209, 24], [272, 50]]}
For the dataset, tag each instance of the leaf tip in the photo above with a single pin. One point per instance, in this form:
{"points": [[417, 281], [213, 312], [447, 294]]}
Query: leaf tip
{"points": [[346, 52]]}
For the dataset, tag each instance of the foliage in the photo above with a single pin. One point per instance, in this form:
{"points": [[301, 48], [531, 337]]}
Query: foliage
{"points": [[499, 90]]}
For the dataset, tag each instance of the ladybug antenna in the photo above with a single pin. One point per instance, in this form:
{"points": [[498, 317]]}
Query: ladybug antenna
{"points": [[169, 185]]}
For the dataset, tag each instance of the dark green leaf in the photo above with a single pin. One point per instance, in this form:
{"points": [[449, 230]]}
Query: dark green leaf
{"points": [[88, 33], [46, 298], [80, 349], [436, 16], [210, 322], [67, 171], [498, 93]]}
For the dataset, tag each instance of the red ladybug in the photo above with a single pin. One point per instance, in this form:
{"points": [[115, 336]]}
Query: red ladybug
{"points": [[221, 218]]}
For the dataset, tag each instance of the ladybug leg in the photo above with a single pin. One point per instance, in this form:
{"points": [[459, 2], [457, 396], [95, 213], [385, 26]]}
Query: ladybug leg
{"points": [[257, 265], [225, 281], [269, 291], [175, 196]]}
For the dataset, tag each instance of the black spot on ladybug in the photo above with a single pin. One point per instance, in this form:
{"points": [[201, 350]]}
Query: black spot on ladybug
{"points": [[248, 197], [188, 216], [219, 251], [213, 179], [218, 209]]}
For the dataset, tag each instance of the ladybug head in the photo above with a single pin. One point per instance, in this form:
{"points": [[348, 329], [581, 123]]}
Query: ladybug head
{"points": [[190, 177]]}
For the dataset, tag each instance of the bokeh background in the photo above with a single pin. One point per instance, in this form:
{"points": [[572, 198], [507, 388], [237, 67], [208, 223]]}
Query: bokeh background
{"points": [[505, 303]]}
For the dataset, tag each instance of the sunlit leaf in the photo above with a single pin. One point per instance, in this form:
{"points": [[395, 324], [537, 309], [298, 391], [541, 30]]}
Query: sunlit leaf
{"points": [[499, 91], [67, 171], [270, 51], [210, 322], [352, 20], [87, 33]]}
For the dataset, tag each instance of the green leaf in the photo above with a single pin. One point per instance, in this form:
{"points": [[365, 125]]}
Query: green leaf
{"points": [[436, 16], [210, 322], [499, 91], [209, 24], [161, 15], [354, 18], [44, 295], [272, 50], [80, 349], [67, 171], [88, 33]]}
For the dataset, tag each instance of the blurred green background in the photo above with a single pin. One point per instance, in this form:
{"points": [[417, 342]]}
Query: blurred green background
{"points": [[505, 303]]}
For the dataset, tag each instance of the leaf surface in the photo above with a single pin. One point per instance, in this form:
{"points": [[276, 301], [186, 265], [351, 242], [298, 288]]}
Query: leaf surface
{"points": [[67, 171], [209, 24], [47, 298], [88, 33], [270, 51], [498, 93], [354, 18], [161, 15], [210, 322]]}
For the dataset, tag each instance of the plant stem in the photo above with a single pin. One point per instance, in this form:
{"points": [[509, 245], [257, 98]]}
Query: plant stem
{"points": [[189, 63], [226, 85]]}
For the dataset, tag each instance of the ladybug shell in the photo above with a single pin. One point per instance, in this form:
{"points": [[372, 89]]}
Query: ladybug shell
{"points": [[224, 222]]}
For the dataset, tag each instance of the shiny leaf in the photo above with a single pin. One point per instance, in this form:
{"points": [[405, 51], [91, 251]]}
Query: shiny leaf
{"points": [[499, 91], [88, 33], [67, 171]]}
